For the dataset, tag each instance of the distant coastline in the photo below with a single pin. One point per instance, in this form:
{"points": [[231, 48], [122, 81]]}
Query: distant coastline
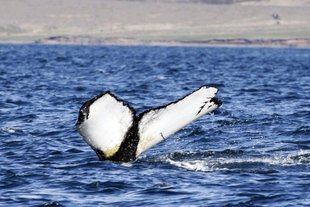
{"points": [[238, 42], [212, 42]]}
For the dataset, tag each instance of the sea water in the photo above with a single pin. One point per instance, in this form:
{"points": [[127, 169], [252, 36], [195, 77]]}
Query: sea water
{"points": [[253, 151]]}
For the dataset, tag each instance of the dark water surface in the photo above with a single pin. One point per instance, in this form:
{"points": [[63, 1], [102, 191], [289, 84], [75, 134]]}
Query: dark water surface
{"points": [[253, 151]]}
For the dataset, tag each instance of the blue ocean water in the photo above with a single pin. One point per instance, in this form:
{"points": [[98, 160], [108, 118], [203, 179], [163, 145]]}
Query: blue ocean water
{"points": [[253, 151]]}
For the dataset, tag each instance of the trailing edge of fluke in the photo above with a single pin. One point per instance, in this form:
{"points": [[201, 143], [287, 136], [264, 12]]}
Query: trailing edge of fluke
{"points": [[114, 131]]}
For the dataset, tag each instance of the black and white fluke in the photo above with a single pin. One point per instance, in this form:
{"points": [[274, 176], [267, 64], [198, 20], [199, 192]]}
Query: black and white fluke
{"points": [[114, 131]]}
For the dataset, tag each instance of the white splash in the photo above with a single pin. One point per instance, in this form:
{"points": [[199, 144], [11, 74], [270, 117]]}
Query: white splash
{"points": [[216, 164], [194, 165], [9, 130]]}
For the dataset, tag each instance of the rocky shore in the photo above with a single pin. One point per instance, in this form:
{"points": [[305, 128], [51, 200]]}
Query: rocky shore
{"points": [[87, 40]]}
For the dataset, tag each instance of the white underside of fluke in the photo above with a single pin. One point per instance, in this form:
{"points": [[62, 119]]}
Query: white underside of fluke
{"points": [[158, 124], [109, 119]]}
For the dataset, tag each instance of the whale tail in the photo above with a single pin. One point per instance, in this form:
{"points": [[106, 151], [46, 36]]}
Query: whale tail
{"points": [[112, 129]]}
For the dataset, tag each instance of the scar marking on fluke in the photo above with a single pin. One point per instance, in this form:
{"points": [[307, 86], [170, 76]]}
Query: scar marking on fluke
{"points": [[161, 134]]}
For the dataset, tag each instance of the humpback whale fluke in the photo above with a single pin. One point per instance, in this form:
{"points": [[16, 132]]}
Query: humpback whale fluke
{"points": [[114, 131]]}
